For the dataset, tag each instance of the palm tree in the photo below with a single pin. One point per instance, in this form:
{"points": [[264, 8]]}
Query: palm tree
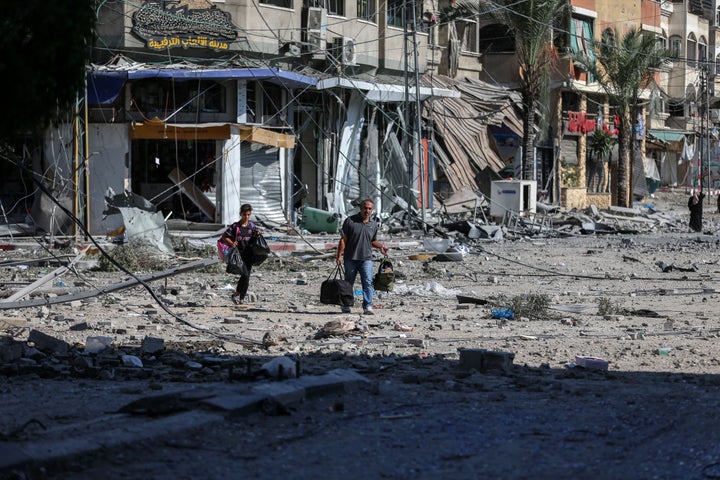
{"points": [[600, 145], [624, 65], [530, 22]]}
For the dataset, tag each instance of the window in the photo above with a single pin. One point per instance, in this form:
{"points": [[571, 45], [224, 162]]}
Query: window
{"points": [[676, 108], [657, 105], [366, 10], [264, 104], [336, 7], [581, 36], [272, 101], [395, 13], [250, 102], [661, 42], [691, 55], [164, 96], [675, 46], [702, 50], [496, 38], [468, 34], [278, 3]]}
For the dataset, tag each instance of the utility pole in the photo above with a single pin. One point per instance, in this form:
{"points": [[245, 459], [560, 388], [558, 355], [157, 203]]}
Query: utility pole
{"points": [[704, 173], [413, 128], [707, 125], [417, 134]]}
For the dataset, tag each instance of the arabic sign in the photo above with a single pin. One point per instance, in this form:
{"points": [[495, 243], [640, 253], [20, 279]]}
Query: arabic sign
{"points": [[185, 42], [163, 27]]}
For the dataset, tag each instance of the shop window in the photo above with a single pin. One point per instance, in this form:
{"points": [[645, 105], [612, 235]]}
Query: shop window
{"points": [[163, 97], [264, 104]]}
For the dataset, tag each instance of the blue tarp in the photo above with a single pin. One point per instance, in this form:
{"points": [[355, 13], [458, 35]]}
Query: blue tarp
{"points": [[104, 85]]}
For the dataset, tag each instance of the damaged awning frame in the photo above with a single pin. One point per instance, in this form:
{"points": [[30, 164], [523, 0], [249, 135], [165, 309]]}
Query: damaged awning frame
{"points": [[383, 92], [104, 86], [156, 129]]}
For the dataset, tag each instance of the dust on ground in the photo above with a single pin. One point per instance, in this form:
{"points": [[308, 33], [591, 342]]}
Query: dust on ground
{"points": [[645, 303]]}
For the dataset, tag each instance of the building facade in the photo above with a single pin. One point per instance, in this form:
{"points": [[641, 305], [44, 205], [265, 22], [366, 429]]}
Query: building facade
{"points": [[200, 106]]}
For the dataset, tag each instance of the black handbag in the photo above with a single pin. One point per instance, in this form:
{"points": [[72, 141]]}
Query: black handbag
{"points": [[384, 279], [337, 291], [259, 249], [235, 263]]}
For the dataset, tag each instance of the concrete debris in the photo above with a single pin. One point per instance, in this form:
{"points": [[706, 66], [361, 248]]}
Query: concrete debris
{"points": [[190, 336], [280, 368], [340, 327]]}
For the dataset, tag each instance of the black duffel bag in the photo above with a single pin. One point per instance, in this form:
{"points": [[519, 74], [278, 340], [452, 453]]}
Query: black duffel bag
{"points": [[337, 291]]}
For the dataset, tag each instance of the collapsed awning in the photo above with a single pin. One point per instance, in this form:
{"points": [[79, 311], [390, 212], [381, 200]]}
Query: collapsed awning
{"points": [[156, 129], [104, 85], [383, 92]]}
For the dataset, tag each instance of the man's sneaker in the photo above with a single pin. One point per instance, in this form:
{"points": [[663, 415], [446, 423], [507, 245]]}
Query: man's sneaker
{"points": [[368, 311], [236, 299]]}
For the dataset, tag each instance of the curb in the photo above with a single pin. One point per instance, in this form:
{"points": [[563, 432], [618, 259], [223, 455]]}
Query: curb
{"points": [[129, 428]]}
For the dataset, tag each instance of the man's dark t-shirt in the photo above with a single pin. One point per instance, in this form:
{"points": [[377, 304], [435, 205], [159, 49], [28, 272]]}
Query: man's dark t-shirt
{"points": [[359, 237]]}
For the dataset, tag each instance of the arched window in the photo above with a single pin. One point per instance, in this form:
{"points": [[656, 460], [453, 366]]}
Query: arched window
{"points": [[691, 50], [675, 46], [702, 50]]}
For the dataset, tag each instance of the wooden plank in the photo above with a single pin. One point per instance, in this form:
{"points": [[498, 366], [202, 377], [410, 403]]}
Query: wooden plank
{"points": [[39, 302], [193, 193], [44, 279], [266, 137]]}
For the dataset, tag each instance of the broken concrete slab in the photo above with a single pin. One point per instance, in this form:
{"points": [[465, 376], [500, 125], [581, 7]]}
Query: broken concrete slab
{"points": [[485, 360], [117, 430], [47, 343], [126, 428]]}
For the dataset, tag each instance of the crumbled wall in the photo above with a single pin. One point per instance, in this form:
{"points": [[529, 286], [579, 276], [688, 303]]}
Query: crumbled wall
{"points": [[573, 197]]}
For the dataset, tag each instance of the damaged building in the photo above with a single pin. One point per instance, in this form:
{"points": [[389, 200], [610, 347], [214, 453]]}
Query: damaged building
{"points": [[199, 106], [325, 106]]}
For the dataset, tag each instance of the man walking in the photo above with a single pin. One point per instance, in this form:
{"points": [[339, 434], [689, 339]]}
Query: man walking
{"points": [[358, 237]]}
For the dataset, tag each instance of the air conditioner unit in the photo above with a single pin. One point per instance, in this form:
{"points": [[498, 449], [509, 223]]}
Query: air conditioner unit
{"points": [[344, 50], [316, 24], [316, 18], [291, 49]]}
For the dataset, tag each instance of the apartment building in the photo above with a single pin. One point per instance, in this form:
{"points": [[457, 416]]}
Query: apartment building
{"points": [[677, 121], [200, 106]]}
